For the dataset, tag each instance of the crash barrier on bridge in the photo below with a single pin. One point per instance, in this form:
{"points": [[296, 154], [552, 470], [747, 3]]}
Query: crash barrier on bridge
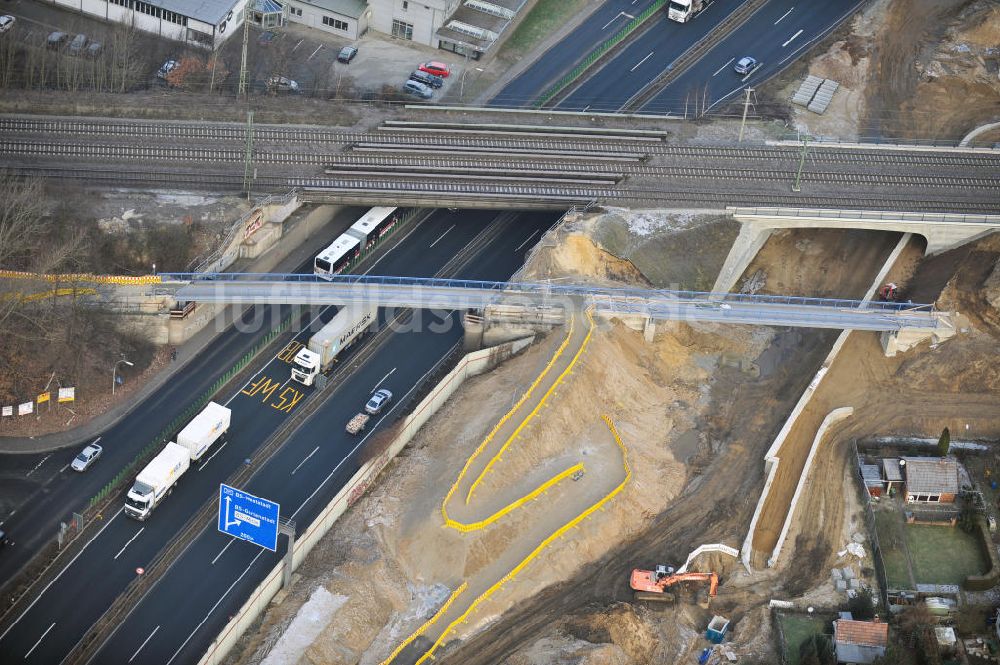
{"points": [[193, 408], [470, 365], [598, 52], [121, 280], [553, 537], [771, 460]]}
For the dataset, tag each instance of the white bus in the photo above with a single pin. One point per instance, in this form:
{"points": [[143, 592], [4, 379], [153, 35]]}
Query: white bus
{"points": [[335, 258], [373, 225]]}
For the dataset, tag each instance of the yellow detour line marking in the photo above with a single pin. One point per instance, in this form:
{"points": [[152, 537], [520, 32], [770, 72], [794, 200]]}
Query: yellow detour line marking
{"points": [[506, 417], [534, 412], [427, 624], [124, 280], [541, 547]]}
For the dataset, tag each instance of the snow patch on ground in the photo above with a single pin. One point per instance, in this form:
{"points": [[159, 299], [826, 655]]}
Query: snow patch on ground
{"points": [[645, 224], [425, 601], [183, 199], [308, 623]]}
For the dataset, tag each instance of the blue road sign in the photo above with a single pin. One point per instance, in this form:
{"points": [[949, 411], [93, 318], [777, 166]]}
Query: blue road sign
{"points": [[248, 517]]}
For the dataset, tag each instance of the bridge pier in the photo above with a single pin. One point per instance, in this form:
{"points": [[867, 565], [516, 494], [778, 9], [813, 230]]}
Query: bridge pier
{"points": [[751, 238]]}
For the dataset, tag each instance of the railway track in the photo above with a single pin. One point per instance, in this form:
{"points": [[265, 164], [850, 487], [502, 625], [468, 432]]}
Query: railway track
{"points": [[473, 138]]}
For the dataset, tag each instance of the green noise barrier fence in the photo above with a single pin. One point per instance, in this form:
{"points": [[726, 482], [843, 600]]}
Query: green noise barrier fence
{"points": [[597, 53]]}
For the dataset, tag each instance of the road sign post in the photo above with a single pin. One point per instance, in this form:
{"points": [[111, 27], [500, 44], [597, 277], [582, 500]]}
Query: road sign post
{"points": [[248, 517]]}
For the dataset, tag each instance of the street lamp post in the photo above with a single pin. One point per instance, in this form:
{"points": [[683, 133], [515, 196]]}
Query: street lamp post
{"points": [[114, 373]]}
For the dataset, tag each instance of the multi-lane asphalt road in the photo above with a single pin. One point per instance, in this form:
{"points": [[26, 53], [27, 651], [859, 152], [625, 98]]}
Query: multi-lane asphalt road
{"points": [[213, 577]]}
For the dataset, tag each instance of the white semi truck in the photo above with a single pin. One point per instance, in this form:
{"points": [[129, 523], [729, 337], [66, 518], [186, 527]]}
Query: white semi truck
{"points": [[684, 10], [156, 480], [323, 348]]}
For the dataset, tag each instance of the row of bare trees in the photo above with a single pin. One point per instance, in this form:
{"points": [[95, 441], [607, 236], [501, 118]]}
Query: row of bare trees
{"points": [[27, 62]]}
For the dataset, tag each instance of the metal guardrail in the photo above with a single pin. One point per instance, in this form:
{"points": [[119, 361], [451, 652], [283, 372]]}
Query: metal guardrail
{"points": [[880, 215], [546, 289]]}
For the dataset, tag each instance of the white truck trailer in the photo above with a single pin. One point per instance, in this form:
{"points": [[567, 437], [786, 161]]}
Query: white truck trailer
{"points": [[683, 11], [206, 428], [323, 348], [156, 480]]}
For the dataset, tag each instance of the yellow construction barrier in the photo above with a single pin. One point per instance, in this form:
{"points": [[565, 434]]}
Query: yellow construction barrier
{"points": [[121, 280], [538, 550], [53, 293], [427, 624]]}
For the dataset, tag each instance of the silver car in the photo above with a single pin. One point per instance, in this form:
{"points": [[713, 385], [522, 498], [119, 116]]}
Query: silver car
{"points": [[86, 457], [745, 65], [378, 402]]}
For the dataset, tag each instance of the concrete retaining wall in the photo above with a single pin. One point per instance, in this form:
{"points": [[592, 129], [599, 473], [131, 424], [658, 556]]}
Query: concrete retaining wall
{"points": [[771, 459], [470, 365]]}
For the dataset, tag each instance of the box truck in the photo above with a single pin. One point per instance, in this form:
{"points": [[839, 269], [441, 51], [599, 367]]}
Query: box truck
{"points": [[156, 480], [206, 428], [347, 325]]}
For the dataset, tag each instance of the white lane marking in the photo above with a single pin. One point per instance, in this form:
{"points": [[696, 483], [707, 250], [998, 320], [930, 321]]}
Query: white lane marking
{"points": [[64, 468], [143, 644], [315, 52], [222, 552], [224, 444], [221, 598], [442, 235], [129, 543], [723, 67], [297, 45], [96, 536], [305, 460], [792, 38], [382, 379], [620, 14], [37, 466], [783, 16], [642, 61], [39, 641], [526, 240]]}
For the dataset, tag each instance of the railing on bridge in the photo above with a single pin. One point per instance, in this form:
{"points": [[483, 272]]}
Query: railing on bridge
{"points": [[544, 289]]}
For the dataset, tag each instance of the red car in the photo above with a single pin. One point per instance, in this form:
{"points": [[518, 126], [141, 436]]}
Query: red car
{"points": [[435, 68]]}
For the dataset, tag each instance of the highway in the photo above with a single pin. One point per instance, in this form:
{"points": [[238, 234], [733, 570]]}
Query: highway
{"points": [[558, 60], [69, 606], [780, 32]]}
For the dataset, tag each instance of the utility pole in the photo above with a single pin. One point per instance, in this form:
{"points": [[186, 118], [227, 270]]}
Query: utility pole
{"points": [[802, 161], [243, 64], [746, 107], [248, 160]]}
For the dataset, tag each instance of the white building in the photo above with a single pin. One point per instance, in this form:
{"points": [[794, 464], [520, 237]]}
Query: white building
{"points": [[347, 18], [204, 23]]}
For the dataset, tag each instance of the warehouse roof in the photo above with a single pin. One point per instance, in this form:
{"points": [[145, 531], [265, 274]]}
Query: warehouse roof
{"points": [[349, 8], [931, 475], [208, 11]]}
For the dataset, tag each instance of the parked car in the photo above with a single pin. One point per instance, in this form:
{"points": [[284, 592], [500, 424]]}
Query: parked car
{"points": [[168, 66], [6, 22], [282, 84], [94, 49], [418, 89], [745, 65], [378, 402], [78, 44], [4, 539], [86, 458], [347, 54], [56, 39], [436, 68], [427, 79]]}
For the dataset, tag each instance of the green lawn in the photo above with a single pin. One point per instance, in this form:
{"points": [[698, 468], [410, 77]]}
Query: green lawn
{"points": [[943, 554], [896, 574], [797, 629], [545, 18]]}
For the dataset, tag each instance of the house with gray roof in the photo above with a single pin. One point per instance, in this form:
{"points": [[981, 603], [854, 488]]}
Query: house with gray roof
{"points": [[930, 479]]}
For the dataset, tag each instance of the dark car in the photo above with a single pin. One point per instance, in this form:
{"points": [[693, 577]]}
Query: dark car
{"points": [[347, 54], [427, 79], [56, 39]]}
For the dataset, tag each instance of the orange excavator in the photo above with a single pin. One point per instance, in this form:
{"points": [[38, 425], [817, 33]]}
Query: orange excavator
{"points": [[653, 584]]}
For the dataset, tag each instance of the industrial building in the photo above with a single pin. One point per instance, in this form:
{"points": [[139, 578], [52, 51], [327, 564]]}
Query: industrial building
{"points": [[204, 23]]}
